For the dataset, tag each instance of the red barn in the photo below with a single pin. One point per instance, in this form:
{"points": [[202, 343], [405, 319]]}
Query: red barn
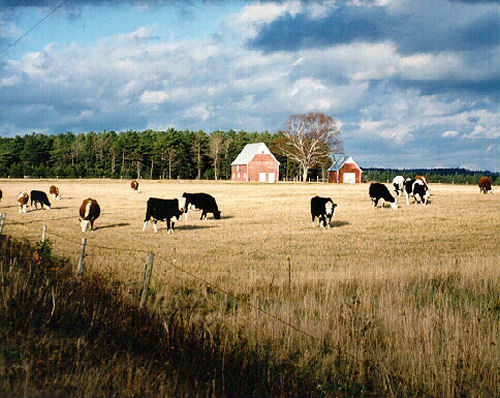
{"points": [[345, 170], [255, 163]]}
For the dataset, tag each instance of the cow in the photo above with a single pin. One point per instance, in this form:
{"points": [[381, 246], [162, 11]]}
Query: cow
{"points": [[54, 192], [322, 209], [89, 212], [398, 184], [485, 185], [23, 199], [169, 210], [134, 185], [1, 194], [416, 188], [379, 191], [201, 201], [424, 180], [39, 197]]}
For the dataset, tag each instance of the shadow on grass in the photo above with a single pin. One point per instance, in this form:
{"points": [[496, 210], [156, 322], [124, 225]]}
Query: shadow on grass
{"points": [[339, 223], [122, 224]]}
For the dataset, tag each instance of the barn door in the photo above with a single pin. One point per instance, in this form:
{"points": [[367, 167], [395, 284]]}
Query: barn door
{"points": [[262, 177], [349, 178], [272, 177]]}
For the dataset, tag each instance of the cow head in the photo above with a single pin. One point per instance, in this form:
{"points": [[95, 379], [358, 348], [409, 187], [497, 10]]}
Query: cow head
{"points": [[84, 224], [182, 204], [217, 215]]}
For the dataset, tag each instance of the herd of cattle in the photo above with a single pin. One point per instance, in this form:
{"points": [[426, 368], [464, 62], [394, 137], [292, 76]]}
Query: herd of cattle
{"points": [[171, 210]]}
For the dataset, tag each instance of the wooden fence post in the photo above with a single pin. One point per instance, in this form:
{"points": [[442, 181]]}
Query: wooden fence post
{"points": [[3, 216], [289, 273], [44, 233], [147, 279], [80, 268]]}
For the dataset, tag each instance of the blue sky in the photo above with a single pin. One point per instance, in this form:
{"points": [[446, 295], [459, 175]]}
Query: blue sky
{"points": [[412, 83]]}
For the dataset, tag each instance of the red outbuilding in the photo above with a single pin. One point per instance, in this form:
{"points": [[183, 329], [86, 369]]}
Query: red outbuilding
{"points": [[255, 163], [345, 170]]}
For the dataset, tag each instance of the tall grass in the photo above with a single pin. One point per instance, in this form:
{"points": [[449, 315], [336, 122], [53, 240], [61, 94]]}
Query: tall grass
{"points": [[386, 303]]}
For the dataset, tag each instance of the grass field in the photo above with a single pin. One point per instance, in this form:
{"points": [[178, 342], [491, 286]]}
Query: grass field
{"points": [[410, 297]]}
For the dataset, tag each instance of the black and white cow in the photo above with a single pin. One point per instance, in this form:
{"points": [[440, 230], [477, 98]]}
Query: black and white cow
{"points": [[322, 209], [398, 184], [168, 210], [416, 188], [201, 201], [39, 197], [379, 191]]}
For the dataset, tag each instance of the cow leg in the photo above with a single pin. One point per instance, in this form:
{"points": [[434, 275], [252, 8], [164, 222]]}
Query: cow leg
{"points": [[407, 198], [313, 218], [145, 225], [155, 226], [91, 224], [169, 231]]}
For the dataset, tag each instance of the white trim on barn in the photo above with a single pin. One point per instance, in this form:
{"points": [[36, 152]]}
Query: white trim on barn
{"points": [[250, 150]]}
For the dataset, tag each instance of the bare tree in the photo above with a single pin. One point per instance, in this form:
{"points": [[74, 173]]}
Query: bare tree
{"points": [[172, 159], [197, 148], [215, 149], [309, 138]]}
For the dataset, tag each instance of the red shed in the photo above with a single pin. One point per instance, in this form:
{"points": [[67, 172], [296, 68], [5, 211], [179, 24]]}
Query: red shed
{"points": [[345, 170], [255, 163]]}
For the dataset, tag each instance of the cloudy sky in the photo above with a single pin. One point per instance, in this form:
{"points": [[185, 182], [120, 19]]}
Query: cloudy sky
{"points": [[413, 83]]}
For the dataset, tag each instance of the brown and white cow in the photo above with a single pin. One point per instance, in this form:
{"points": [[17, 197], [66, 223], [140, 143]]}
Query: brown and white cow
{"points": [[23, 199], [485, 185], [134, 185], [89, 211], [54, 192]]}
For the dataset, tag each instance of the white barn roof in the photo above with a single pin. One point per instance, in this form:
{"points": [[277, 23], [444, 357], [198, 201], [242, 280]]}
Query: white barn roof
{"points": [[337, 165], [250, 150]]}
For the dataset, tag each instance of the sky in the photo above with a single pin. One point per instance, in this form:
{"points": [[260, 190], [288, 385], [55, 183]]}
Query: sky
{"points": [[411, 83]]}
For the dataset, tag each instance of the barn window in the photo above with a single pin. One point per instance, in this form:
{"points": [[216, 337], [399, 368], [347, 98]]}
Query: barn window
{"points": [[238, 167], [238, 175]]}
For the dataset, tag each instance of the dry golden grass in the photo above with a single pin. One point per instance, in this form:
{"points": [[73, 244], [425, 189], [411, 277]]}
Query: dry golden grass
{"points": [[410, 296]]}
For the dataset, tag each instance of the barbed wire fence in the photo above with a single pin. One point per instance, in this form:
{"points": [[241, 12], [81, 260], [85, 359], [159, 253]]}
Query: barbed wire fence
{"points": [[173, 263]]}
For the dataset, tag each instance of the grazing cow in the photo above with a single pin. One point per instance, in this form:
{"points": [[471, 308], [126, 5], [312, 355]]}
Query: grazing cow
{"points": [[323, 209], [416, 188], [22, 199], [424, 180], [39, 197], [398, 184], [485, 185], [134, 185], [169, 210], [54, 192], [201, 201], [89, 212], [1, 194], [379, 191]]}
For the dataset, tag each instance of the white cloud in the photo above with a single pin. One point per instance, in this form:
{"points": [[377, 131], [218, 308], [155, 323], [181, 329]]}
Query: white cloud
{"points": [[153, 97], [449, 133]]}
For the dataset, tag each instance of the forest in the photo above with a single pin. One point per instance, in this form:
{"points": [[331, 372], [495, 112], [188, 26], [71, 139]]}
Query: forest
{"points": [[170, 154]]}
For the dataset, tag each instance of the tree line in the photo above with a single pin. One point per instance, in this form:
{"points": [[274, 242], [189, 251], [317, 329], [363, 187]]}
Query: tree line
{"points": [[148, 154], [438, 175]]}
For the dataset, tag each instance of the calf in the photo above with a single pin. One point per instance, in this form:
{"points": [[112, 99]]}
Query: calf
{"points": [[134, 185], [379, 191], [54, 192], [485, 185], [169, 210], [398, 184], [89, 212], [22, 199], [201, 201], [424, 180], [322, 209], [39, 197]]}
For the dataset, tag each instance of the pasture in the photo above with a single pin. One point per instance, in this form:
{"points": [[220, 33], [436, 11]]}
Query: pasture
{"points": [[409, 299]]}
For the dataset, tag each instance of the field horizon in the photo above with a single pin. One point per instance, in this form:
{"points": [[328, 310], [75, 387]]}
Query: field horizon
{"points": [[413, 294]]}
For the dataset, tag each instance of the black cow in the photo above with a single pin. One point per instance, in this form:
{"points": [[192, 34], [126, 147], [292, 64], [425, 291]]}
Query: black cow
{"points": [[39, 197], [322, 209], [380, 191], [169, 210], [201, 201], [416, 188]]}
